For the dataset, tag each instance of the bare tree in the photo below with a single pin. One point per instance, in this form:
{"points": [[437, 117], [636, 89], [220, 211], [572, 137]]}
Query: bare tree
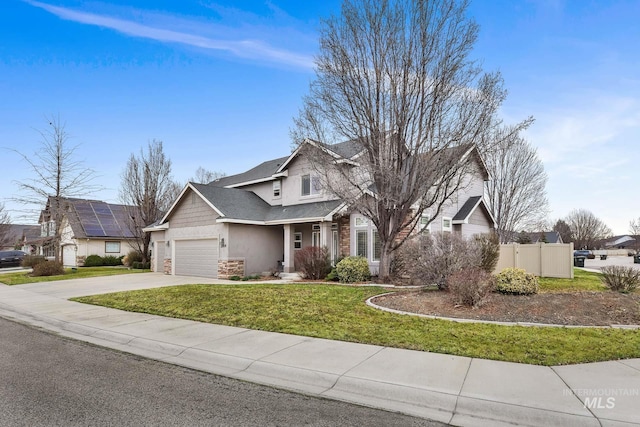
{"points": [[205, 176], [5, 226], [634, 227], [586, 229], [57, 174], [564, 230], [516, 193], [395, 77], [148, 187]]}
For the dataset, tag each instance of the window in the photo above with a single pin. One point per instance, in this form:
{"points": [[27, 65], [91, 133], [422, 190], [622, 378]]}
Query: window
{"points": [[112, 247], [315, 235], [310, 185], [297, 240], [276, 188], [362, 243], [367, 239], [424, 225], [361, 221], [48, 251], [446, 224], [377, 248]]}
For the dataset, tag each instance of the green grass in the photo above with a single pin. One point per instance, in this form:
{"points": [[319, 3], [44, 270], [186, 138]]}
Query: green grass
{"points": [[82, 272], [582, 281], [339, 313]]}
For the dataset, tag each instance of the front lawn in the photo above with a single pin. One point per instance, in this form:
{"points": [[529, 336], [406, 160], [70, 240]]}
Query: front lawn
{"points": [[582, 281], [340, 313], [21, 278]]}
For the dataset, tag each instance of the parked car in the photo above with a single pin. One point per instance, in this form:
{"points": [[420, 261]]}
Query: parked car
{"points": [[11, 258], [585, 253]]}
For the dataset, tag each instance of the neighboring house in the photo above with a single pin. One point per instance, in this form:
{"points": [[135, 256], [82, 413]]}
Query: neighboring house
{"points": [[89, 227], [255, 221], [622, 242], [15, 236], [545, 237]]}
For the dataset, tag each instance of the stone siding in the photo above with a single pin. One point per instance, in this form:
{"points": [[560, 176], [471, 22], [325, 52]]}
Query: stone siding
{"points": [[230, 267], [167, 266], [344, 230]]}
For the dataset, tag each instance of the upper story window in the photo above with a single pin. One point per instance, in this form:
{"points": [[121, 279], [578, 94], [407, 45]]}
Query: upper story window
{"points": [[51, 228], [310, 185], [424, 225], [276, 188], [446, 224]]}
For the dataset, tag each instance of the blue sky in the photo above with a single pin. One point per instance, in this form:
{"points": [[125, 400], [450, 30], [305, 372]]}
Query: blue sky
{"points": [[219, 83]]}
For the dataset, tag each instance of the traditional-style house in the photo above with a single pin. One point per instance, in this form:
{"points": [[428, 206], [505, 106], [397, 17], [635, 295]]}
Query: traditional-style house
{"points": [[88, 227], [255, 221]]}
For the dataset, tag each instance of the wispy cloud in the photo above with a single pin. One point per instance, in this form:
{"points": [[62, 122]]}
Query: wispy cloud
{"points": [[249, 49]]}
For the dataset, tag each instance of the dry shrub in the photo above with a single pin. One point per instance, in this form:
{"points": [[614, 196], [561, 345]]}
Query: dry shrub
{"points": [[431, 258], [48, 268], [620, 279], [489, 247], [471, 286], [313, 262], [131, 257], [32, 260]]}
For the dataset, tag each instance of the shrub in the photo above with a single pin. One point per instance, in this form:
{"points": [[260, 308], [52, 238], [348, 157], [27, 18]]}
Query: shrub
{"points": [[313, 262], [131, 257], [516, 281], [621, 279], [353, 269], [471, 286], [48, 268], [236, 278], [431, 258], [32, 260], [489, 247], [332, 276], [111, 260], [139, 265], [93, 261]]}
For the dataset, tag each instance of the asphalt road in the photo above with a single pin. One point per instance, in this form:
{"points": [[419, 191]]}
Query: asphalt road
{"points": [[48, 380]]}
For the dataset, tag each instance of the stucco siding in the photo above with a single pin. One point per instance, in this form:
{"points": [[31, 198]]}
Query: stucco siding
{"points": [[292, 185], [264, 190], [261, 247], [192, 211]]}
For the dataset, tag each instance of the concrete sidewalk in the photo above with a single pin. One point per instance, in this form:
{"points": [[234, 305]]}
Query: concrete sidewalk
{"points": [[450, 389]]}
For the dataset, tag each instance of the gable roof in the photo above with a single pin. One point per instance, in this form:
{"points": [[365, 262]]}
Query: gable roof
{"points": [[16, 233], [245, 207], [469, 207], [96, 219], [549, 236], [263, 172]]}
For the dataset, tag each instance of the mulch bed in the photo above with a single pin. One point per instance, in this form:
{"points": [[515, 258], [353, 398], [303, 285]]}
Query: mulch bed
{"points": [[571, 308]]}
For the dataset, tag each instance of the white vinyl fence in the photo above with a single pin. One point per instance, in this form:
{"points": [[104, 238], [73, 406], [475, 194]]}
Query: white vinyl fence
{"points": [[541, 259]]}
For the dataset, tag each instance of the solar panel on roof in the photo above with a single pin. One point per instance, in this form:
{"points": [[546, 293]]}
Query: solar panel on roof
{"points": [[94, 231]]}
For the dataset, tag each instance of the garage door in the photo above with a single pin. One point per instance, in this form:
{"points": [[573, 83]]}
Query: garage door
{"points": [[197, 257]]}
